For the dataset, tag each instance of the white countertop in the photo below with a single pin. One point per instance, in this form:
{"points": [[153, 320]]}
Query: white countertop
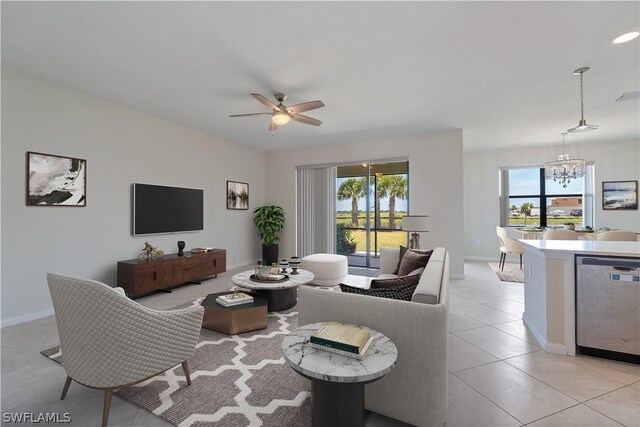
{"points": [[631, 249]]}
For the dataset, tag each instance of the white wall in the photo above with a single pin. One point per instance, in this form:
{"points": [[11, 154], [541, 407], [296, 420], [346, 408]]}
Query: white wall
{"points": [[435, 189], [614, 161], [121, 146]]}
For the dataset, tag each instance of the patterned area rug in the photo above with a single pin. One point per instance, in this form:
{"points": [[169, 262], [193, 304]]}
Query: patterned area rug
{"points": [[237, 380], [511, 273]]}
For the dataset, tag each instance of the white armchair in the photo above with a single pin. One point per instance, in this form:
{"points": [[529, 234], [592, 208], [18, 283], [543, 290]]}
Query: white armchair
{"points": [[109, 341]]}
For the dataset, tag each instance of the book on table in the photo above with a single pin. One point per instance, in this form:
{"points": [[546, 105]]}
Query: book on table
{"points": [[342, 337], [234, 299], [361, 355]]}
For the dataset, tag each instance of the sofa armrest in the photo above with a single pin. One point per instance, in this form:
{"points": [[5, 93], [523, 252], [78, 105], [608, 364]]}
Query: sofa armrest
{"points": [[389, 260]]}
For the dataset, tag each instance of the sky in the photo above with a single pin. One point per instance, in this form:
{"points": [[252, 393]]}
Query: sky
{"points": [[527, 181]]}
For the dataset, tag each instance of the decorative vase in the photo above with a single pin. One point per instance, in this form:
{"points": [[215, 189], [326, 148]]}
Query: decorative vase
{"points": [[283, 265], [270, 254], [294, 263], [180, 248]]}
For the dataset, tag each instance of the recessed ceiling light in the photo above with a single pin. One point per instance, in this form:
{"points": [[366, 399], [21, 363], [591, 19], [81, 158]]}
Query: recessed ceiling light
{"points": [[626, 37]]}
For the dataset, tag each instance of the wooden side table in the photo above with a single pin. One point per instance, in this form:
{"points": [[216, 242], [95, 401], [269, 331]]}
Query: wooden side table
{"points": [[337, 382], [237, 319]]}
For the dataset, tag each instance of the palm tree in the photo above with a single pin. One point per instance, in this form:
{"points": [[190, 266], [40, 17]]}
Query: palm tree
{"points": [[394, 186], [381, 193], [526, 210], [352, 188]]}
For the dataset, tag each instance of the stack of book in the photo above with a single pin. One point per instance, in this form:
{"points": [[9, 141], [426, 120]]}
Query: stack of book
{"points": [[236, 298], [350, 341]]}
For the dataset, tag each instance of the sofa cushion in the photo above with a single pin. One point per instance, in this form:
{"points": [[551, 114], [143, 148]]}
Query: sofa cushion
{"points": [[403, 250], [412, 260], [429, 287], [404, 292], [397, 281]]}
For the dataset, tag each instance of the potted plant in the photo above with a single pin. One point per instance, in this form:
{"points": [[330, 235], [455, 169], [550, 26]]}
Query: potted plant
{"points": [[569, 225], [269, 221]]}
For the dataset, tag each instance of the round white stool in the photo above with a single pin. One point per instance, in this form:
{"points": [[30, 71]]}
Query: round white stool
{"points": [[328, 269]]}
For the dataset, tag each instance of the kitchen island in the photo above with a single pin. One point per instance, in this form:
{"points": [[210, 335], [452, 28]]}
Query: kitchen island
{"points": [[550, 287]]}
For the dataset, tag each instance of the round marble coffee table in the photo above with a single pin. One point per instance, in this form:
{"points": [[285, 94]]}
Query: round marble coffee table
{"points": [[281, 295], [337, 382]]}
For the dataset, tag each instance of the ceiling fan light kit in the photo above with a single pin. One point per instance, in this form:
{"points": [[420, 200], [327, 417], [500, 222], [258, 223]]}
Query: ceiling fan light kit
{"points": [[582, 124], [281, 114]]}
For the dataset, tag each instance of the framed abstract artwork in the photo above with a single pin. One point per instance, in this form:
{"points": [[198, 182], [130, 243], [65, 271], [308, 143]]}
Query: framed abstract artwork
{"points": [[237, 195], [620, 195], [56, 180]]}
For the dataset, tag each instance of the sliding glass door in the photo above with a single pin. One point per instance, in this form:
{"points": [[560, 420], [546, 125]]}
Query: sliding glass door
{"points": [[371, 200]]}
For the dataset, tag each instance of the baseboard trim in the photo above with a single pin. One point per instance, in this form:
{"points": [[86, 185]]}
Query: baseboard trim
{"points": [[537, 335], [27, 317], [556, 348]]}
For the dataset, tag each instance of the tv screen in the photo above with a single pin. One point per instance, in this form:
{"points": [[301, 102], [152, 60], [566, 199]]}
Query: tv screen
{"points": [[159, 209]]}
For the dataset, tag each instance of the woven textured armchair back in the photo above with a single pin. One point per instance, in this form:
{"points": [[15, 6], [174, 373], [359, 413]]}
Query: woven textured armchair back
{"points": [[108, 340]]}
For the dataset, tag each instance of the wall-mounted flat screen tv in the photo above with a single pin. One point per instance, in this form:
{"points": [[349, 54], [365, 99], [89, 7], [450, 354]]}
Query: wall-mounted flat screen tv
{"points": [[158, 209]]}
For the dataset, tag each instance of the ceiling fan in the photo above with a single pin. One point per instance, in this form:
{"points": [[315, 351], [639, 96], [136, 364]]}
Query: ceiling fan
{"points": [[281, 114]]}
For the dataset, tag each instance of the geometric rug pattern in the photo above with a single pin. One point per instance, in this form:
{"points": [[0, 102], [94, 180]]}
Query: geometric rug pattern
{"points": [[236, 380], [511, 273]]}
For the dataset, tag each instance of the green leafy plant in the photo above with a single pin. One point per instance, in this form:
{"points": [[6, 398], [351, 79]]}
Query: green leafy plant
{"points": [[345, 244], [269, 221]]}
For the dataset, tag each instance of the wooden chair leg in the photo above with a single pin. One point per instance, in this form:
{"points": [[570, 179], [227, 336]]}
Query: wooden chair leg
{"points": [[503, 257], [107, 405], [67, 383], [185, 368], [520, 261]]}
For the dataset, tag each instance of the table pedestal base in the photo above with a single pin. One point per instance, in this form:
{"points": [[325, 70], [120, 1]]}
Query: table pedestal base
{"points": [[337, 404], [280, 299]]}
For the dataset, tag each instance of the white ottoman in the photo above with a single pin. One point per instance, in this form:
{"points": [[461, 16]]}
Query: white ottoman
{"points": [[328, 269]]}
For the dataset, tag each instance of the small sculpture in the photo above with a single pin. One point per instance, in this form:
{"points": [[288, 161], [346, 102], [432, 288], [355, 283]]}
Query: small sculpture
{"points": [[180, 248], [149, 253]]}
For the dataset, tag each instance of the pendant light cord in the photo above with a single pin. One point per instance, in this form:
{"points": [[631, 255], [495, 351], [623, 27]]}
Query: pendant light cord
{"points": [[581, 98]]}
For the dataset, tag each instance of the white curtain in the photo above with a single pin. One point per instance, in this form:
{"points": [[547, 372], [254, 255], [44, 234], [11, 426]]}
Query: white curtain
{"points": [[316, 210], [504, 197], [588, 202]]}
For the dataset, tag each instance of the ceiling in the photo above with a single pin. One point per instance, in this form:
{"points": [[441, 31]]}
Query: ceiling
{"points": [[501, 71]]}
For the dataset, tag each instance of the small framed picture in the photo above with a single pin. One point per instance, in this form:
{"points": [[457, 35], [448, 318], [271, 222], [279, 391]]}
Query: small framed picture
{"points": [[620, 195], [237, 195], [56, 180]]}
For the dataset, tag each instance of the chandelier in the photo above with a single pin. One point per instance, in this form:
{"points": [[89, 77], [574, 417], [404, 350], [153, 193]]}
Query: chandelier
{"points": [[564, 170]]}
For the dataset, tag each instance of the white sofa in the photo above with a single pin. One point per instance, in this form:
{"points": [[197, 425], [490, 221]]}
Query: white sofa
{"points": [[415, 391]]}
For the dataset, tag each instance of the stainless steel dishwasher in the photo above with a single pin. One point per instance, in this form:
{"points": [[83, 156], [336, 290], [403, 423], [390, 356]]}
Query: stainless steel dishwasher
{"points": [[608, 307]]}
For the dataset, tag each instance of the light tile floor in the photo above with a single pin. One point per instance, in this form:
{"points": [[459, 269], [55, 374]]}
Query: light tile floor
{"points": [[498, 374]]}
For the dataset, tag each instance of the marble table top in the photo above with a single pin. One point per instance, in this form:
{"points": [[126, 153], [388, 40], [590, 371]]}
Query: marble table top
{"points": [[327, 366], [243, 280]]}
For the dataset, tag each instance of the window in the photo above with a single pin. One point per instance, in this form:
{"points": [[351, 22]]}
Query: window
{"points": [[527, 199]]}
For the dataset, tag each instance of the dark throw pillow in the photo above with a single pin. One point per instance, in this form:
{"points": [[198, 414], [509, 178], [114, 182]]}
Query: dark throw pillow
{"points": [[413, 260], [403, 249], [404, 292], [397, 281]]}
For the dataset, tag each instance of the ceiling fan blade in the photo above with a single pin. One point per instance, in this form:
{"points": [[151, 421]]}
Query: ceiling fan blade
{"points": [[306, 120], [265, 101], [250, 114], [305, 106], [273, 126]]}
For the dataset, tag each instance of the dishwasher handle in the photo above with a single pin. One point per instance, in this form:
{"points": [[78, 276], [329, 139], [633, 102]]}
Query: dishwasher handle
{"points": [[618, 264]]}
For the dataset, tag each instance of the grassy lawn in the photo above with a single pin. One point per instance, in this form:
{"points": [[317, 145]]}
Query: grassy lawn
{"points": [[345, 218], [386, 239], [535, 221]]}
